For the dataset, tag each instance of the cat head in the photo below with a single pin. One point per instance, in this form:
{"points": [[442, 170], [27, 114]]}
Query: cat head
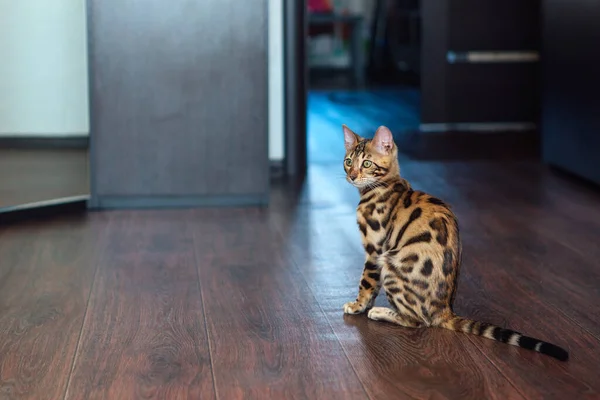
{"points": [[369, 161]]}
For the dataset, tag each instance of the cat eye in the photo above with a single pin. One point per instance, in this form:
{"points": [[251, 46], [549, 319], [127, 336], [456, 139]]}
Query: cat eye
{"points": [[348, 162], [367, 163]]}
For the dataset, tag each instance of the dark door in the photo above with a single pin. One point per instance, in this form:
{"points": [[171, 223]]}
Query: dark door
{"points": [[480, 64]]}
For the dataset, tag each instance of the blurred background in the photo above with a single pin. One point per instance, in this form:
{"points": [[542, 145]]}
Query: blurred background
{"points": [[456, 79], [451, 79]]}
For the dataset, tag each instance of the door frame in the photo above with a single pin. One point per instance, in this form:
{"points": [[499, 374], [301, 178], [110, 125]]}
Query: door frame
{"points": [[295, 77]]}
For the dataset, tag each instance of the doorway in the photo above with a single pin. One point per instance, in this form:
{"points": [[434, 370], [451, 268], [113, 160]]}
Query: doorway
{"points": [[448, 79], [357, 63], [364, 70]]}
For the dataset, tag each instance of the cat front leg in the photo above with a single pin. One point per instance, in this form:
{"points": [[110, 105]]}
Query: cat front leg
{"points": [[368, 289]]}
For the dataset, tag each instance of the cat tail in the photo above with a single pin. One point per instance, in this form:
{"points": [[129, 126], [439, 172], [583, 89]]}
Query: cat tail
{"points": [[460, 324]]}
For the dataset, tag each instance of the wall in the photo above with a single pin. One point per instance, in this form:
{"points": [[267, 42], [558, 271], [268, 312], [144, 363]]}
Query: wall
{"points": [[43, 73]]}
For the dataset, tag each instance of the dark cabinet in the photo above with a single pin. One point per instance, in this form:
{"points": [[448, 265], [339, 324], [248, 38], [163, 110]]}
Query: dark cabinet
{"points": [[480, 63], [571, 86]]}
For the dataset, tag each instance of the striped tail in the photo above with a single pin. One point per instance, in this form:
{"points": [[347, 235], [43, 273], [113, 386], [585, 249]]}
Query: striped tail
{"points": [[460, 324]]}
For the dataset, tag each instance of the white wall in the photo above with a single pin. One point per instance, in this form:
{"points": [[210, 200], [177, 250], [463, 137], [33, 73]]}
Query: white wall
{"points": [[43, 68], [276, 83]]}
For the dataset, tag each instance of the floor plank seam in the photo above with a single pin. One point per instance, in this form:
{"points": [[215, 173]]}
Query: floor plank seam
{"points": [[333, 330], [282, 237], [295, 264], [100, 255], [574, 321], [559, 309], [208, 338], [472, 341]]}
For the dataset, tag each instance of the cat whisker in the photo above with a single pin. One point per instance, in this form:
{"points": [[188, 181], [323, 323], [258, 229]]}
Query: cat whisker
{"points": [[376, 184]]}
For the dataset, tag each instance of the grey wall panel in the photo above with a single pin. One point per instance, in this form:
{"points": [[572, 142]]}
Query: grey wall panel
{"points": [[178, 99]]}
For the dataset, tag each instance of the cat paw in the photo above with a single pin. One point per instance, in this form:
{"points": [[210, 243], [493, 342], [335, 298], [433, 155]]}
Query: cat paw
{"points": [[379, 313], [354, 307]]}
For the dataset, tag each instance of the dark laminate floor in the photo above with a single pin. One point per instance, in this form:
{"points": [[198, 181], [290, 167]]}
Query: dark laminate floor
{"points": [[246, 303], [34, 175]]}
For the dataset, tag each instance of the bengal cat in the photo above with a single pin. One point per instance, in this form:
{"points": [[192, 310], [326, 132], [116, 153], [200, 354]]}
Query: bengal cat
{"points": [[412, 246]]}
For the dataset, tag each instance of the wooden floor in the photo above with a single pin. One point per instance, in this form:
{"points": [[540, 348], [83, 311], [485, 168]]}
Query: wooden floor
{"points": [[36, 175], [247, 303]]}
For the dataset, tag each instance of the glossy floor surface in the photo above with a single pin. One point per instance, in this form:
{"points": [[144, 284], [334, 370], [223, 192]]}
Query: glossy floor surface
{"points": [[36, 175], [397, 108], [247, 303]]}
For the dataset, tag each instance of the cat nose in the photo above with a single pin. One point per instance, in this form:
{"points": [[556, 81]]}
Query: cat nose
{"points": [[353, 176]]}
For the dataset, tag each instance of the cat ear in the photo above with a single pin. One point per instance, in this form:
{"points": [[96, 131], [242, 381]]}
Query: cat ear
{"points": [[350, 138], [383, 141]]}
